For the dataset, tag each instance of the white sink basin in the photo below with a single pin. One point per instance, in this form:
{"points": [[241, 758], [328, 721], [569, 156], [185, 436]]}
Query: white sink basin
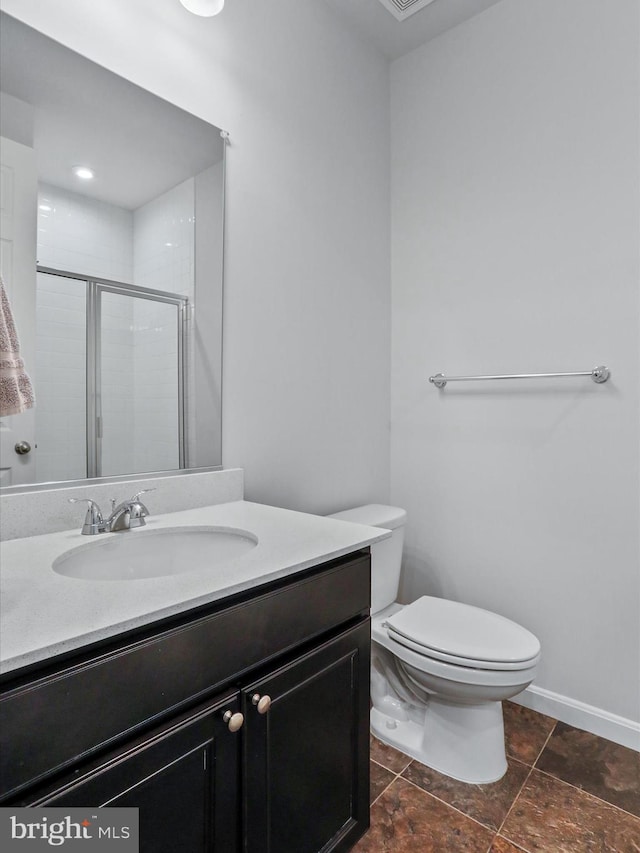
{"points": [[138, 554]]}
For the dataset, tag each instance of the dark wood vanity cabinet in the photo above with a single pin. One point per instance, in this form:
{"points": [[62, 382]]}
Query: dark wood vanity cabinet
{"points": [[183, 779], [305, 786], [292, 658]]}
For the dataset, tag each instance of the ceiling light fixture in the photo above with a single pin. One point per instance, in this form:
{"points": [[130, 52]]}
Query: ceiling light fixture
{"points": [[402, 9], [204, 8], [83, 172]]}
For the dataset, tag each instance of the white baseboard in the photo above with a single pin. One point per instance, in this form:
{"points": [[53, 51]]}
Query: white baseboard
{"points": [[582, 716]]}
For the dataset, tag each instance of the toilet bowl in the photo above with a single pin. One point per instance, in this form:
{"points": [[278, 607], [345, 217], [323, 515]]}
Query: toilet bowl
{"points": [[440, 669]]}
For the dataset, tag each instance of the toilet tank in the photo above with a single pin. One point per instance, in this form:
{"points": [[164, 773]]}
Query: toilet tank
{"points": [[386, 556]]}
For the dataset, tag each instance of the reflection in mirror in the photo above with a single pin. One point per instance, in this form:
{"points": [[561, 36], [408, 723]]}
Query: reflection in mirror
{"points": [[112, 226]]}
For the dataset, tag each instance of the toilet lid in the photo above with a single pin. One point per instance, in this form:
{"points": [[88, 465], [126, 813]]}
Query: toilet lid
{"points": [[462, 634]]}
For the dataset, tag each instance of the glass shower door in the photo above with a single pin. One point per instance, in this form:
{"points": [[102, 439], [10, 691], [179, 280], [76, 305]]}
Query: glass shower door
{"points": [[139, 378]]}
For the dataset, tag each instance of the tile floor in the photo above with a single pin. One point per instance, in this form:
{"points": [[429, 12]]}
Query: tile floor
{"points": [[566, 791]]}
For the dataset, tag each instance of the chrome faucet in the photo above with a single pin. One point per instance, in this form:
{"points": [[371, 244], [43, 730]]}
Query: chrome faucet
{"points": [[128, 514], [124, 516]]}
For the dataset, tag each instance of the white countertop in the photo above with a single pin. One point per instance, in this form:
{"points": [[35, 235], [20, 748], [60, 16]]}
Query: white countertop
{"points": [[44, 613]]}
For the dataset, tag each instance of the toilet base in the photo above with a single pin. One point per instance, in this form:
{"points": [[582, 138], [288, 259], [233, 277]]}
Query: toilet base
{"points": [[463, 741]]}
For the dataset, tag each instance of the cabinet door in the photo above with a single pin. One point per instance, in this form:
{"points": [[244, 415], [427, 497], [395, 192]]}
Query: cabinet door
{"points": [[306, 750], [183, 778]]}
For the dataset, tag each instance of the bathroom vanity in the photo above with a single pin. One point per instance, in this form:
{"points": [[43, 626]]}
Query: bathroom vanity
{"points": [[238, 723]]}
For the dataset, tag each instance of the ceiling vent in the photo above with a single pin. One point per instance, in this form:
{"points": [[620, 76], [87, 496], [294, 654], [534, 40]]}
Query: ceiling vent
{"points": [[402, 9]]}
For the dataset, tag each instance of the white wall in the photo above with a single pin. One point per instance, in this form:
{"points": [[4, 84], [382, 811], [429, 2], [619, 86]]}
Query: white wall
{"points": [[306, 351], [515, 249]]}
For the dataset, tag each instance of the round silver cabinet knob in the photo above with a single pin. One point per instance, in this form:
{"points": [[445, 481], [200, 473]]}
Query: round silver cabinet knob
{"points": [[233, 721], [22, 447], [262, 703]]}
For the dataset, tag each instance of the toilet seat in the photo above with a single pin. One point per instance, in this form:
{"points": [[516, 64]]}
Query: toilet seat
{"points": [[463, 635], [453, 673]]}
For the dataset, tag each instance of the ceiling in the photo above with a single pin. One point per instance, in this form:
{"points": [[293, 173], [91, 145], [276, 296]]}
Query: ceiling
{"points": [[138, 144], [128, 135], [373, 22]]}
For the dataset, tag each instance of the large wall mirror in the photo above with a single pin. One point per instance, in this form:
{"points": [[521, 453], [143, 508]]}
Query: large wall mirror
{"points": [[112, 240]]}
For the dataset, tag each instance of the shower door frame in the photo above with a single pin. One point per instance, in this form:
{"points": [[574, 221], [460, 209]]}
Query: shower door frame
{"points": [[95, 288]]}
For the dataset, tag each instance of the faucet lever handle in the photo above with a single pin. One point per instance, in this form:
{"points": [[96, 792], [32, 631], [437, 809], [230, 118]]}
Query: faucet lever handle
{"points": [[93, 521], [137, 510], [141, 492], [92, 506]]}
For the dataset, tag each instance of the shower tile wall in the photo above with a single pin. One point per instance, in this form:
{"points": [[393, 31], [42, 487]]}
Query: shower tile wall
{"points": [[163, 244], [78, 234]]}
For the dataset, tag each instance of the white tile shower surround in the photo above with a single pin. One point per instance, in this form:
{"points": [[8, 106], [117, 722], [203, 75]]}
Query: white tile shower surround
{"points": [[80, 234], [163, 241], [45, 511], [138, 363]]}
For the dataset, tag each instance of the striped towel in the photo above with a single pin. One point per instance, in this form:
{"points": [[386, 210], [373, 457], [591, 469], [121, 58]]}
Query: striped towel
{"points": [[16, 391]]}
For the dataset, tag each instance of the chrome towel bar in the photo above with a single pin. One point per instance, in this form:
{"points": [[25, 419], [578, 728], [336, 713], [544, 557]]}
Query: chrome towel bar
{"points": [[598, 374]]}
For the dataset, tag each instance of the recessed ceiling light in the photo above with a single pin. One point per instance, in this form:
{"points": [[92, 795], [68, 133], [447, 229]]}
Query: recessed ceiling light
{"points": [[204, 8], [83, 172]]}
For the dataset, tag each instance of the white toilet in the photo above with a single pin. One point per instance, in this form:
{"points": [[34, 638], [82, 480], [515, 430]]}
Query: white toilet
{"points": [[439, 669]]}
